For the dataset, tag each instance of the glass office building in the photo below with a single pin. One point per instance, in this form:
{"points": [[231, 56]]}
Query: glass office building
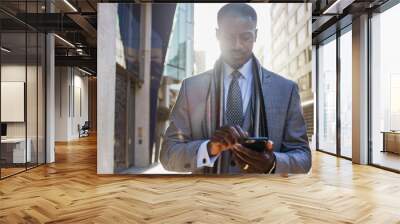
{"points": [[179, 59], [166, 47]]}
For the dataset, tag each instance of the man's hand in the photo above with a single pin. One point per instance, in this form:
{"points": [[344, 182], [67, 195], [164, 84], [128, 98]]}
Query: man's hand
{"points": [[254, 162], [224, 138]]}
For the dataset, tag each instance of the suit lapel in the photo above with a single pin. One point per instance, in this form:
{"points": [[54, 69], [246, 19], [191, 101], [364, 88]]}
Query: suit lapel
{"points": [[268, 104]]}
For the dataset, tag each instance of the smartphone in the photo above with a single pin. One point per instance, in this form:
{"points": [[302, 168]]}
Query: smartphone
{"points": [[257, 144]]}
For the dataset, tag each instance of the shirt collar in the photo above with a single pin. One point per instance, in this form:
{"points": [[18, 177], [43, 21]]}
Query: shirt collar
{"points": [[245, 70]]}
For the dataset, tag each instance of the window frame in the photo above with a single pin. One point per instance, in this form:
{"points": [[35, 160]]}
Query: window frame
{"points": [[334, 37]]}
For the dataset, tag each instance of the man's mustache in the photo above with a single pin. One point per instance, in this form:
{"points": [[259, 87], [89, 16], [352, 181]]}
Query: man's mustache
{"points": [[236, 52]]}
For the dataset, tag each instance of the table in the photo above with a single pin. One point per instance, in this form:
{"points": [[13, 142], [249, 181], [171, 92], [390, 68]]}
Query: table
{"points": [[391, 141], [13, 150]]}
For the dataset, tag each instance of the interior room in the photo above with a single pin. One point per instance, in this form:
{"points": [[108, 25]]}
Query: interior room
{"points": [[22, 101], [385, 88]]}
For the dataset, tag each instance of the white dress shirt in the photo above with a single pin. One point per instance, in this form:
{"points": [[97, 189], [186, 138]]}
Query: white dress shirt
{"points": [[245, 84]]}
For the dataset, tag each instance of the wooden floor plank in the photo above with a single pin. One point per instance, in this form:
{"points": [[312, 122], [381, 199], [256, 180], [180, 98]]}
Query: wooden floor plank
{"points": [[70, 191]]}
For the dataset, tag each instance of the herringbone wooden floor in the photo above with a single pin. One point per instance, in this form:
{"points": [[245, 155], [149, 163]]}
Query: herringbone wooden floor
{"points": [[70, 191]]}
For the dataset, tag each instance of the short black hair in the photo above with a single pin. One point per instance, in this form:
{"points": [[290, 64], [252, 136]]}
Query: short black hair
{"points": [[237, 9]]}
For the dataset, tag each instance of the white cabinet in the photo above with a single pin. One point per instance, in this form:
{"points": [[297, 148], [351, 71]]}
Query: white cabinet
{"points": [[18, 149]]}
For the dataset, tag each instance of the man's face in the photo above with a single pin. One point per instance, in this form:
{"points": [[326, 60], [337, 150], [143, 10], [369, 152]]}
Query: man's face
{"points": [[236, 36]]}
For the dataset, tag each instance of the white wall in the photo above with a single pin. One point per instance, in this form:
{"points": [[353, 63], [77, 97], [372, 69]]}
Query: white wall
{"points": [[67, 115], [12, 99], [12, 73], [61, 104], [80, 83], [33, 125]]}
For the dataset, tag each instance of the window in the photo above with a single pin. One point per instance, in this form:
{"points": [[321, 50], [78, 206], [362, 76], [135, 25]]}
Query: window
{"points": [[22, 77], [327, 96], [346, 94], [385, 89]]}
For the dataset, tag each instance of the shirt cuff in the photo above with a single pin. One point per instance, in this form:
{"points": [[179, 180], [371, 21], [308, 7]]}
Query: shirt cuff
{"points": [[203, 159], [281, 163]]}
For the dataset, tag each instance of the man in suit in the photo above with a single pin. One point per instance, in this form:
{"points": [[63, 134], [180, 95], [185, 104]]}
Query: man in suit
{"points": [[238, 98]]}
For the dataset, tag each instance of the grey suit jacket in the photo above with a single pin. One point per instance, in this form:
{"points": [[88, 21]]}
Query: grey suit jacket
{"points": [[286, 125]]}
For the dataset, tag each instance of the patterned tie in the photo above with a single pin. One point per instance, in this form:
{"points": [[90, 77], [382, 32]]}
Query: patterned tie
{"points": [[234, 106]]}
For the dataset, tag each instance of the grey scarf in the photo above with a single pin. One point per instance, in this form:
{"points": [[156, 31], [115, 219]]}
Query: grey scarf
{"points": [[214, 115]]}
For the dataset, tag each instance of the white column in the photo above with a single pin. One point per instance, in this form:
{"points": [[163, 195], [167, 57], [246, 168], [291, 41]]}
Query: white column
{"points": [[142, 96], [313, 143], [360, 90], [106, 71], [50, 99]]}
